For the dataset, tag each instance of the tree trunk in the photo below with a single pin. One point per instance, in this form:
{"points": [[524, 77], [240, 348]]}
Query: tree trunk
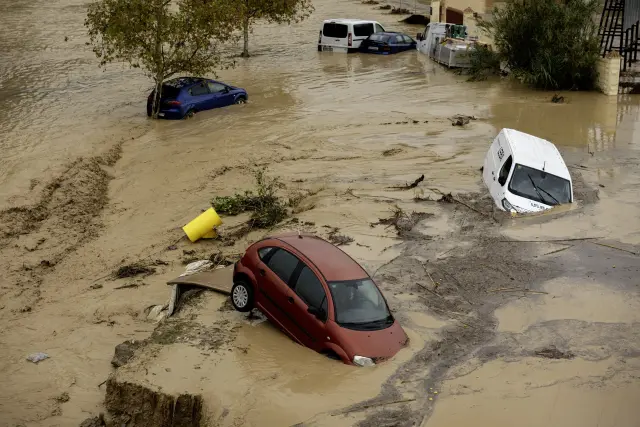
{"points": [[155, 107], [159, 63], [245, 33]]}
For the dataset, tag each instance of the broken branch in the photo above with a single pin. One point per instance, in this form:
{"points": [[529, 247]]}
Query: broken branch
{"points": [[615, 247], [517, 290], [130, 285], [414, 184], [373, 405], [550, 240], [558, 250]]}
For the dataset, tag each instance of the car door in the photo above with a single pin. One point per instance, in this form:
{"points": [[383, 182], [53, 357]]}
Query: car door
{"points": [[308, 291], [502, 179], [275, 270], [400, 43], [490, 165], [409, 42], [221, 97], [200, 96]]}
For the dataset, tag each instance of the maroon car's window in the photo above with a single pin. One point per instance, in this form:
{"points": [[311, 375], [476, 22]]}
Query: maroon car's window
{"points": [[283, 264], [358, 304], [310, 290], [263, 253]]}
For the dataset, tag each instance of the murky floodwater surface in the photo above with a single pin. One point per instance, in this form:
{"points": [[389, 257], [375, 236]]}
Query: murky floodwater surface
{"points": [[330, 124]]}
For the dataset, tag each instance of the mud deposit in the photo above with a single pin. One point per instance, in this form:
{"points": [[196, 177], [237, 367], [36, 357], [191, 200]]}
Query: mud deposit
{"points": [[133, 404], [513, 321]]}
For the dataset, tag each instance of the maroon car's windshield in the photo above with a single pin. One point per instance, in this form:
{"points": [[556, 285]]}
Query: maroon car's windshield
{"points": [[358, 304]]}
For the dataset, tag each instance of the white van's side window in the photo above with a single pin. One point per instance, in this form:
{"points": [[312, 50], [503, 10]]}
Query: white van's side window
{"points": [[379, 29], [363, 30], [338, 31], [504, 172]]}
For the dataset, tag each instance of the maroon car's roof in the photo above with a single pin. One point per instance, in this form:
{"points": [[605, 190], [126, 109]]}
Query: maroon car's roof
{"points": [[334, 264]]}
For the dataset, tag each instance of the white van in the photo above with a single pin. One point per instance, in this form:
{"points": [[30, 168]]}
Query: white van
{"points": [[346, 35], [525, 173]]}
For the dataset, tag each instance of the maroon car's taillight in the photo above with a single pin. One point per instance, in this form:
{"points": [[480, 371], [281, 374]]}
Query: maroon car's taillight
{"points": [[349, 39]]}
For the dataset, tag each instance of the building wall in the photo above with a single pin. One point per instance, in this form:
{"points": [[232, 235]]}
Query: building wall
{"points": [[631, 12], [478, 6], [609, 74]]}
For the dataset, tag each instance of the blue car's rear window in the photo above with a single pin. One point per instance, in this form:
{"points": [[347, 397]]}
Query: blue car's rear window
{"points": [[379, 38], [170, 91]]}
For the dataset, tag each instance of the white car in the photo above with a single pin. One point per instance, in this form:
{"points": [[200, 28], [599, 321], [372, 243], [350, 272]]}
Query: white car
{"points": [[346, 35], [525, 173]]}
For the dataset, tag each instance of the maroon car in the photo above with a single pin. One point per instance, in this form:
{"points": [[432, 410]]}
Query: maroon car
{"points": [[319, 296]]}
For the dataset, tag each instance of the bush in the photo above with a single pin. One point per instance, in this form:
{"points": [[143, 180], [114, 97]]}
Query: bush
{"points": [[267, 209], [484, 63], [549, 44]]}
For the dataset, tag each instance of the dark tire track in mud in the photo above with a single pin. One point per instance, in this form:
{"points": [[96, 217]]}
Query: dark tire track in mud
{"points": [[467, 287], [34, 239], [460, 288]]}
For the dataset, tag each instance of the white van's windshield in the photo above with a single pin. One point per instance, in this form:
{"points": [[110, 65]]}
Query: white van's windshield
{"points": [[359, 305], [540, 186]]}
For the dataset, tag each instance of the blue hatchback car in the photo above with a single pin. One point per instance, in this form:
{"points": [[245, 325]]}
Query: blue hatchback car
{"points": [[184, 96], [387, 42]]}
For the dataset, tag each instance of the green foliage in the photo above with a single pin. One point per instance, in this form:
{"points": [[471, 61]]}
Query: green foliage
{"points": [[484, 63], [548, 44], [267, 209], [161, 37], [279, 11]]}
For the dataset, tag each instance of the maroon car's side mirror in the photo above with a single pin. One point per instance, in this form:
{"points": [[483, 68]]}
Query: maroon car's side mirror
{"points": [[317, 312]]}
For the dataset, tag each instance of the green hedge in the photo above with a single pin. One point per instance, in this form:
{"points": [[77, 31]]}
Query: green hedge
{"points": [[549, 44]]}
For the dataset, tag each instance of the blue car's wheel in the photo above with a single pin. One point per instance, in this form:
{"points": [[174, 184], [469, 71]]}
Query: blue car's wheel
{"points": [[241, 100], [190, 114]]}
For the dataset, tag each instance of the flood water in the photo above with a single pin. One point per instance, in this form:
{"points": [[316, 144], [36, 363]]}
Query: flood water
{"points": [[57, 104], [321, 122]]}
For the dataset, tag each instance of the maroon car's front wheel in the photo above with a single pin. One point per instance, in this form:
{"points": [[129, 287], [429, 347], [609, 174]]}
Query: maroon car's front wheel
{"points": [[242, 296]]}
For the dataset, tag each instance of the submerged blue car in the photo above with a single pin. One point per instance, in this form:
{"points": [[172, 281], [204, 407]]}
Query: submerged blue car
{"points": [[387, 42], [184, 96]]}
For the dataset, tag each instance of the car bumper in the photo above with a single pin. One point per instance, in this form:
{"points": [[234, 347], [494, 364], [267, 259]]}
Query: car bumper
{"points": [[169, 113]]}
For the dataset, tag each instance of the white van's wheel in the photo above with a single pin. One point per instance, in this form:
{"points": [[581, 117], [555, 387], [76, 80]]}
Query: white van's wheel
{"points": [[242, 296]]}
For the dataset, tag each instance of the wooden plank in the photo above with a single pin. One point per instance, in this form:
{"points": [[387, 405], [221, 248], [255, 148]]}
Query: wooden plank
{"points": [[219, 280]]}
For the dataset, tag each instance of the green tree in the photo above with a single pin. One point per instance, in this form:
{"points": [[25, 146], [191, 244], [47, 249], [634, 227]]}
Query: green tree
{"points": [[279, 11], [161, 37], [548, 44]]}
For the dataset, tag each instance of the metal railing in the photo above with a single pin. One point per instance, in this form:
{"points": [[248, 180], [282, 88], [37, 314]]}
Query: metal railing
{"points": [[611, 25], [629, 45]]}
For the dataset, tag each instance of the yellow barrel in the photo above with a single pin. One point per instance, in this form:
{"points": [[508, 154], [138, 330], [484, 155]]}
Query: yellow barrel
{"points": [[203, 226]]}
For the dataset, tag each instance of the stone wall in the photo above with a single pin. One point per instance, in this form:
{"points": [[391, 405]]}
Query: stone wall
{"points": [[609, 74]]}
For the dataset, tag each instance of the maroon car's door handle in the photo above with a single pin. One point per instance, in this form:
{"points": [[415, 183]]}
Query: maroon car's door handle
{"points": [[290, 299], [262, 272]]}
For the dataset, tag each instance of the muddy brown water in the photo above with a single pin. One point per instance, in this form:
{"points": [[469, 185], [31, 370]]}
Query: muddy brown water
{"points": [[322, 123]]}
